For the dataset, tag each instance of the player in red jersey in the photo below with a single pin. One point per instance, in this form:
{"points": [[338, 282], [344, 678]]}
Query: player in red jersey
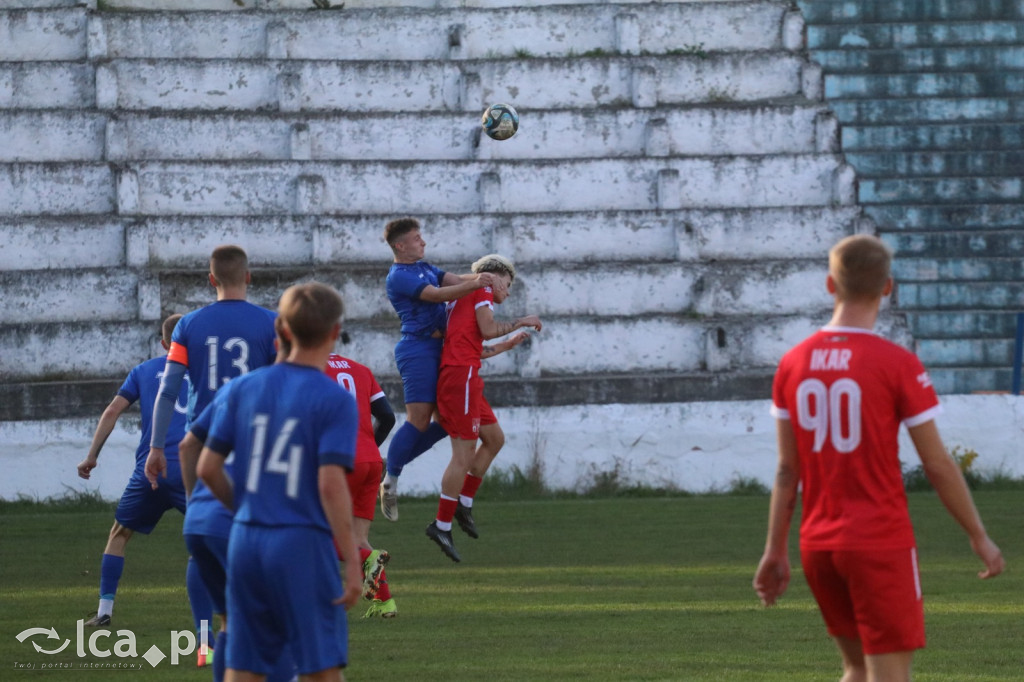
{"points": [[364, 479], [839, 398], [465, 413]]}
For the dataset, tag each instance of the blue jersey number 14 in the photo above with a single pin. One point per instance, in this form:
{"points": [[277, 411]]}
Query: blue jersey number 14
{"points": [[276, 463]]}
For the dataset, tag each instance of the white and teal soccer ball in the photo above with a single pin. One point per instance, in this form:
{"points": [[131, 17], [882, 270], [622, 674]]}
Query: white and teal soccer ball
{"points": [[500, 121]]}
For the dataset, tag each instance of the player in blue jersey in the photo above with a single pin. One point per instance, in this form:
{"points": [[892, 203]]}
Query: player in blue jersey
{"points": [[293, 434], [208, 527], [141, 507], [213, 345], [418, 291]]}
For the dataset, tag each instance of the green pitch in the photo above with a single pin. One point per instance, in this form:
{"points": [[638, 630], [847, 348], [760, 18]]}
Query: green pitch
{"points": [[606, 589]]}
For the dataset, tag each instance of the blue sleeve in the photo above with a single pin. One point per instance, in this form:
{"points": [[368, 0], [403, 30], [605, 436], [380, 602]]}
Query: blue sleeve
{"points": [[130, 389], [163, 410], [407, 283]]}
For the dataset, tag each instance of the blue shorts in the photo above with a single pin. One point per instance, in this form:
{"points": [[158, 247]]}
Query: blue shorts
{"points": [[419, 361], [281, 582], [141, 507], [211, 557]]}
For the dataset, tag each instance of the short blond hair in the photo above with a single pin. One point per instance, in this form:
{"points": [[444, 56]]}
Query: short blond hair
{"points": [[309, 311], [167, 328], [860, 267], [496, 263]]}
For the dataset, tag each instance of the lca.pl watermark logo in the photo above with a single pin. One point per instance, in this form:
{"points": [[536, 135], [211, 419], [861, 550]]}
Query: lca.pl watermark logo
{"points": [[98, 645]]}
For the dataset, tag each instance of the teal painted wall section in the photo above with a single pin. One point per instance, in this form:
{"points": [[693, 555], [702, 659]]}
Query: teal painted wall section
{"points": [[930, 99]]}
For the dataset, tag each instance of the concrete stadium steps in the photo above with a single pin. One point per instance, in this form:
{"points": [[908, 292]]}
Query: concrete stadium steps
{"points": [[984, 84], [180, 242], [243, 6], [676, 154], [43, 35], [57, 189], [935, 136], [908, 11], [951, 190], [54, 135], [585, 82], [894, 111], [880, 36], [929, 96], [978, 243], [977, 324], [628, 344], [596, 133], [956, 217], [47, 85], [67, 243], [908, 164], [959, 295], [452, 33], [70, 296], [366, 34], [922, 59], [986, 269], [236, 188]]}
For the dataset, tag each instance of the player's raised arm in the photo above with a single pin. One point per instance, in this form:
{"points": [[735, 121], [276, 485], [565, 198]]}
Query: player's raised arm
{"points": [[945, 476], [454, 287], [103, 430]]}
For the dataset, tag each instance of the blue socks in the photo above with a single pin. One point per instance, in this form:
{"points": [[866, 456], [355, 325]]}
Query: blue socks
{"points": [[111, 568], [220, 656], [199, 599], [409, 443], [400, 450]]}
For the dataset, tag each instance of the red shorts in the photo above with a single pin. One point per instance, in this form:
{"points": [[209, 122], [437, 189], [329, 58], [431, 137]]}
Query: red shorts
{"points": [[874, 597], [461, 402], [363, 484]]}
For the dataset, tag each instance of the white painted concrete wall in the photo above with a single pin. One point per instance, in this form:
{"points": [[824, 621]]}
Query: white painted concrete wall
{"points": [[690, 446]]}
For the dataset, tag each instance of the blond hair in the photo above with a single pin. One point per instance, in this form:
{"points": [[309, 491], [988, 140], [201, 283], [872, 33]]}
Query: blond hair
{"points": [[309, 312], [860, 267], [496, 263]]}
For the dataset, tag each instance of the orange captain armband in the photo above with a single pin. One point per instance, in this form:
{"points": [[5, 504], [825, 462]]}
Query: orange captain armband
{"points": [[178, 353]]}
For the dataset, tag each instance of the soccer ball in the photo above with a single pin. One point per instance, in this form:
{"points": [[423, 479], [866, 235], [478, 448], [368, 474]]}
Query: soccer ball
{"points": [[500, 121]]}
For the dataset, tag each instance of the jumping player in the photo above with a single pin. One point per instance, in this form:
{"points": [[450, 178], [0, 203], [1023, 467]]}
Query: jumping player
{"points": [[418, 291], [141, 507], [293, 434], [465, 413], [364, 479], [839, 399]]}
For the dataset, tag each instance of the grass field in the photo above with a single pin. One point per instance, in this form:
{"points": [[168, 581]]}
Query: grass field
{"points": [[595, 589]]}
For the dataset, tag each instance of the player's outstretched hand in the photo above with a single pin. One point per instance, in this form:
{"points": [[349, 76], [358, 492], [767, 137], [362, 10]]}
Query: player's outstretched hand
{"points": [[86, 466], [489, 279], [772, 578], [517, 339], [156, 466], [529, 321], [988, 552]]}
